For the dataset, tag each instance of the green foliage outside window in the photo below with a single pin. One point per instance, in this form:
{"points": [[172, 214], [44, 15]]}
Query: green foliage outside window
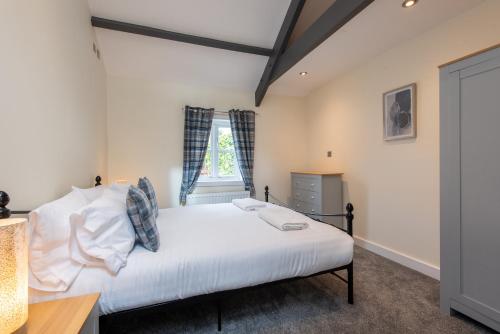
{"points": [[226, 153], [226, 165]]}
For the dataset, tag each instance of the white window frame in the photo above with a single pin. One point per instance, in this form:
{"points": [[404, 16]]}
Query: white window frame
{"points": [[215, 180]]}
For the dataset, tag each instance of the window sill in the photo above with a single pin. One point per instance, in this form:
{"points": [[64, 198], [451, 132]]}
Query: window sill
{"points": [[220, 183]]}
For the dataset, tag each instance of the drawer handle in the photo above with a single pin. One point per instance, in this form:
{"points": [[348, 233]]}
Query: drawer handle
{"points": [[312, 197], [312, 184], [312, 210], [298, 205]]}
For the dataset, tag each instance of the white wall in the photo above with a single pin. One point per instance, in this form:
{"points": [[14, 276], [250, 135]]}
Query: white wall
{"points": [[53, 122], [52, 100], [146, 133], [394, 185]]}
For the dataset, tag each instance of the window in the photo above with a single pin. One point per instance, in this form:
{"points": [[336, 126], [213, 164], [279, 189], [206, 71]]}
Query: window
{"points": [[220, 166]]}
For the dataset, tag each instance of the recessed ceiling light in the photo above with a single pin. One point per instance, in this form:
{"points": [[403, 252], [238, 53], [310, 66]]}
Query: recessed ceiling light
{"points": [[303, 74], [409, 3]]}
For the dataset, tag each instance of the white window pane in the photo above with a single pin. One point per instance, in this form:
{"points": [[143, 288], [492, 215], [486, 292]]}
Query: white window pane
{"points": [[220, 161]]}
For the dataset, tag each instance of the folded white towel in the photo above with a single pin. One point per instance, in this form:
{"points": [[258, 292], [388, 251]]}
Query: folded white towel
{"points": [[249, 204], [283, 219]]}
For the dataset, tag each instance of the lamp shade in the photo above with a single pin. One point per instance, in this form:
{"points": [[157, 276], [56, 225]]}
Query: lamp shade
{"points": [[13, 274]]}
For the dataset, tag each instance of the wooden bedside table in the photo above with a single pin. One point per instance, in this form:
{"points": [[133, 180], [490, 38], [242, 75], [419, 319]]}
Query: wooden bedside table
{"points": [[65, 316]]}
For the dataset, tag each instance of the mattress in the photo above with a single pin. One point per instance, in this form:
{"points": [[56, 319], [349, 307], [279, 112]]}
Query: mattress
{"points": [[210, 248]]}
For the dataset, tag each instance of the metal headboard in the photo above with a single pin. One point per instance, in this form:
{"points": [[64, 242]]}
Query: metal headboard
{"points": [[5, 212], [5, 199]]}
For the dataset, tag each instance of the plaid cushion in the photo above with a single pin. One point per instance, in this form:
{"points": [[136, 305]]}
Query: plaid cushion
{"points": [[146, 186], [143, 218]]}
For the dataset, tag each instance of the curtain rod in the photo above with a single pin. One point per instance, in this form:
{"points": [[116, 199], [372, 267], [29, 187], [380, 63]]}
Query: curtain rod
{"points": [[220, 112]]}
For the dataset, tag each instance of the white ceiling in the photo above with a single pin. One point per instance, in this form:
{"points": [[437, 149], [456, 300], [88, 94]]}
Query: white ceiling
{"points": [[381, 26], [128, 55], [257, 22], [254, 22]]}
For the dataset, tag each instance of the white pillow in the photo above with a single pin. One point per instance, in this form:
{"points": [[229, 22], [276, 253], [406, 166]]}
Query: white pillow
{"points": [[102, 234], [117, 193], [90, 194], [49, 256]]}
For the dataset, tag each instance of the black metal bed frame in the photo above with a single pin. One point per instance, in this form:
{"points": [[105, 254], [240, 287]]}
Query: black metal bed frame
{"points": [[219, 296]]}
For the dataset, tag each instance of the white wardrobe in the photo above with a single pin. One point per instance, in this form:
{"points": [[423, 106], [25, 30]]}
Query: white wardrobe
{"points": [[470, 187]]}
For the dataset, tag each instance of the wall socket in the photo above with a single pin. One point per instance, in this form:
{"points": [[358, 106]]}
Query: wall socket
{"points": [[329, 154]]}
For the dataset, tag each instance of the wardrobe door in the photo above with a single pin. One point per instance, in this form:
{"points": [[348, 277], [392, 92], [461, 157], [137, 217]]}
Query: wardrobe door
{"points": [[474, 226]]}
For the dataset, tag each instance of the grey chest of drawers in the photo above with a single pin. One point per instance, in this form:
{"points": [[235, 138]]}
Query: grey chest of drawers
{"points": [[318, 193]]}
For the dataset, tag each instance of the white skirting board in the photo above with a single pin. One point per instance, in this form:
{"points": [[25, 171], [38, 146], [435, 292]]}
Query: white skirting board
{"points": [[403, 259]]}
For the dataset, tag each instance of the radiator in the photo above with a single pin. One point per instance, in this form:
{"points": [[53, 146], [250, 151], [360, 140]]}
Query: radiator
{"points": [[213, 198]]}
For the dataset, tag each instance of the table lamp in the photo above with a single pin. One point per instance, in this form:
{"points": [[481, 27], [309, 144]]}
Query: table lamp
{"points": [[13, 273]]}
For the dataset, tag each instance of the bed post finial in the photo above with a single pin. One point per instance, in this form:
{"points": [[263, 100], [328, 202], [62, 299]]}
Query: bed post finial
{"points": [[267, 193], [350, 217], [4, 200], [97, 181]]}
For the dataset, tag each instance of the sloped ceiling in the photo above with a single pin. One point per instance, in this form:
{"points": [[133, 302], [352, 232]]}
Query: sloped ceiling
{"points": [[382, 25], [255, 22], [311, 11]]}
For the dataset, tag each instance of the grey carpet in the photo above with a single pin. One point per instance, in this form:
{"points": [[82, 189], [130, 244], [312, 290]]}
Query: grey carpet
{"points": [[389, 298]]}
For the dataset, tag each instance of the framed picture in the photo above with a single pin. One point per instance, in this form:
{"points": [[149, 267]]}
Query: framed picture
{"points": [[400, 113]]}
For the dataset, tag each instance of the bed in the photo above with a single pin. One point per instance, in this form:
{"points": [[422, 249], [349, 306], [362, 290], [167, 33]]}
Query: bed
{"points": [[212, 250]]}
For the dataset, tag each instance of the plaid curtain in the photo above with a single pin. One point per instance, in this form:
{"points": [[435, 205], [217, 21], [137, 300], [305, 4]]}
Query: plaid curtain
{"points": [[243, 129], [197, 126]]}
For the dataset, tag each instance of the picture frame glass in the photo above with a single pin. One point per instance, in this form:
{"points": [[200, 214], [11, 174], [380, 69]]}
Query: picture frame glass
{"points": [[399, 113]]}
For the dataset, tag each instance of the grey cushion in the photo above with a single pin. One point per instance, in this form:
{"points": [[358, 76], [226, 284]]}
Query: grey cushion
{"points": [[143, 218], [146, 186]]}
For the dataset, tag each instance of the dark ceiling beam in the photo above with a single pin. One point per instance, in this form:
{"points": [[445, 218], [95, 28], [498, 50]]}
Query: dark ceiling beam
{"points": [[178, 37], [286, 29], [337, 15]]}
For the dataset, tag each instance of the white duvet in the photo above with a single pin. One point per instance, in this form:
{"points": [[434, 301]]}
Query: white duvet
{"points": [[209, 248]]}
